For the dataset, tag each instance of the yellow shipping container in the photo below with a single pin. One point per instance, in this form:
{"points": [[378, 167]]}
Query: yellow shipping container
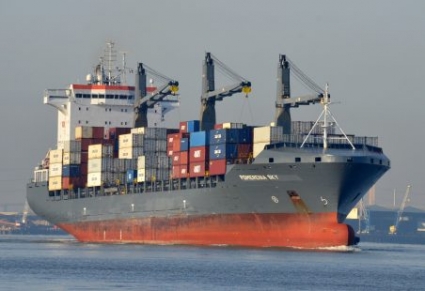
{"points": [[55, 183], [55, 156]]}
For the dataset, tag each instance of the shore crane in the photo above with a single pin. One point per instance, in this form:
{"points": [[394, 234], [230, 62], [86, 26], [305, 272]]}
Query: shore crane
{"points": [[145, 100], [394, 228], [210, 95]]}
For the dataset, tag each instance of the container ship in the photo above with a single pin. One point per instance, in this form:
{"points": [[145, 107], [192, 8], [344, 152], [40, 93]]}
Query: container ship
{"points": [[114, 178]]}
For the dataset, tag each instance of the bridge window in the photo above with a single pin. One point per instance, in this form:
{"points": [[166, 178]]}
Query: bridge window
{"points": [[86, 96], [123, 96], [317, 159], [109, 96], [372, 161], [271, 160], [94, 96], [130, 97], [102, 96], [297, 159], [78, 95]]}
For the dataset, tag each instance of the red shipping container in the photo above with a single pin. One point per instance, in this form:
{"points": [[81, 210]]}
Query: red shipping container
{"points": [[98, 132], [218, 126], [84, 157], [179, 172], [71, 182], [176, 145], [217, 167], [244, 151], [84, 169], [175, 158], [114, 132], [199, 154], [197, 169], [184, 158], [171, 137], [183, 126]]}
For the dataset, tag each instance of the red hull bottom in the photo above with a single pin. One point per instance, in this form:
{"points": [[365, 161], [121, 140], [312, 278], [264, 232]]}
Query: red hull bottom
{"points": [[250, 230]]}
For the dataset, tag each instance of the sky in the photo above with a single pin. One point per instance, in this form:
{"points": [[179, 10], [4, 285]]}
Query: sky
{"points": [[371, 52]]}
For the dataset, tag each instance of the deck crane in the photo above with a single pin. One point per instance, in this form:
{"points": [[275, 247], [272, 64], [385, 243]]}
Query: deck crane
{"points": [[394, 228], [144, 101], [284, 101], [210, 95]]}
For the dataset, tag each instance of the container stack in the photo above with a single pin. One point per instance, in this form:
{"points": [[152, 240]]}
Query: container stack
{"points": [[229, 146], [55, 169], [198, 153], [179, 154], [144, 151], [71, 170], [100, 165]]}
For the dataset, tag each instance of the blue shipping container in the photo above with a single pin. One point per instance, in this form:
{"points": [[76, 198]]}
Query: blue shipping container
{"points": [[71, 170], [220, 136], [199, 139], [130, 176], [245, 135], [184, 144], [193, 126], [223, 151]]}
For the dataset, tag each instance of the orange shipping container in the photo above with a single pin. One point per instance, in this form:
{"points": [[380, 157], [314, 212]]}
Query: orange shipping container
{"points": [[197, 169], [199, 154], [217, 167]]}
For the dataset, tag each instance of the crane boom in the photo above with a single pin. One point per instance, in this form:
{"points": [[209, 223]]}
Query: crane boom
{"points": [[393, 228], [143, 102], [284, 101], [210, 95]]}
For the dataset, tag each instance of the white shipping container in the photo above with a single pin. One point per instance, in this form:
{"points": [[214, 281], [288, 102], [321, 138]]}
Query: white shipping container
{"points": [[141, 175], [94, 179], [83, 132], [71, 158], [258, 148], [268, 134], [41, 175], [130, 153], [148, 174], [55, 183], [100, 165], [97, 151], [55, 170], [139, 130], [55, 156], [131, 140]]}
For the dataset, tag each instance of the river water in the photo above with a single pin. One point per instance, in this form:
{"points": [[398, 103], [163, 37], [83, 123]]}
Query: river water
{"points": [[61, 263]]}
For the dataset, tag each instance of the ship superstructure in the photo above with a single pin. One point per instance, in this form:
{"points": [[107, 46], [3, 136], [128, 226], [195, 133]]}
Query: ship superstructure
{"points": [[115, 178]]}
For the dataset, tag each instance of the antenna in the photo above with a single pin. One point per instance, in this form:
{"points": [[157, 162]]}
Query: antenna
{"points": [[326, 113]]}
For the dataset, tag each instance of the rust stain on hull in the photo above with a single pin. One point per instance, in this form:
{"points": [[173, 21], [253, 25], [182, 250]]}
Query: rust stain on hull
{"points": [[251, 230]]}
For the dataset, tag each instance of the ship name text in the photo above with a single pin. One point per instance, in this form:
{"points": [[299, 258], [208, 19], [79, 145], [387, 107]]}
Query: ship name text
{"points": [[258, 177]]}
